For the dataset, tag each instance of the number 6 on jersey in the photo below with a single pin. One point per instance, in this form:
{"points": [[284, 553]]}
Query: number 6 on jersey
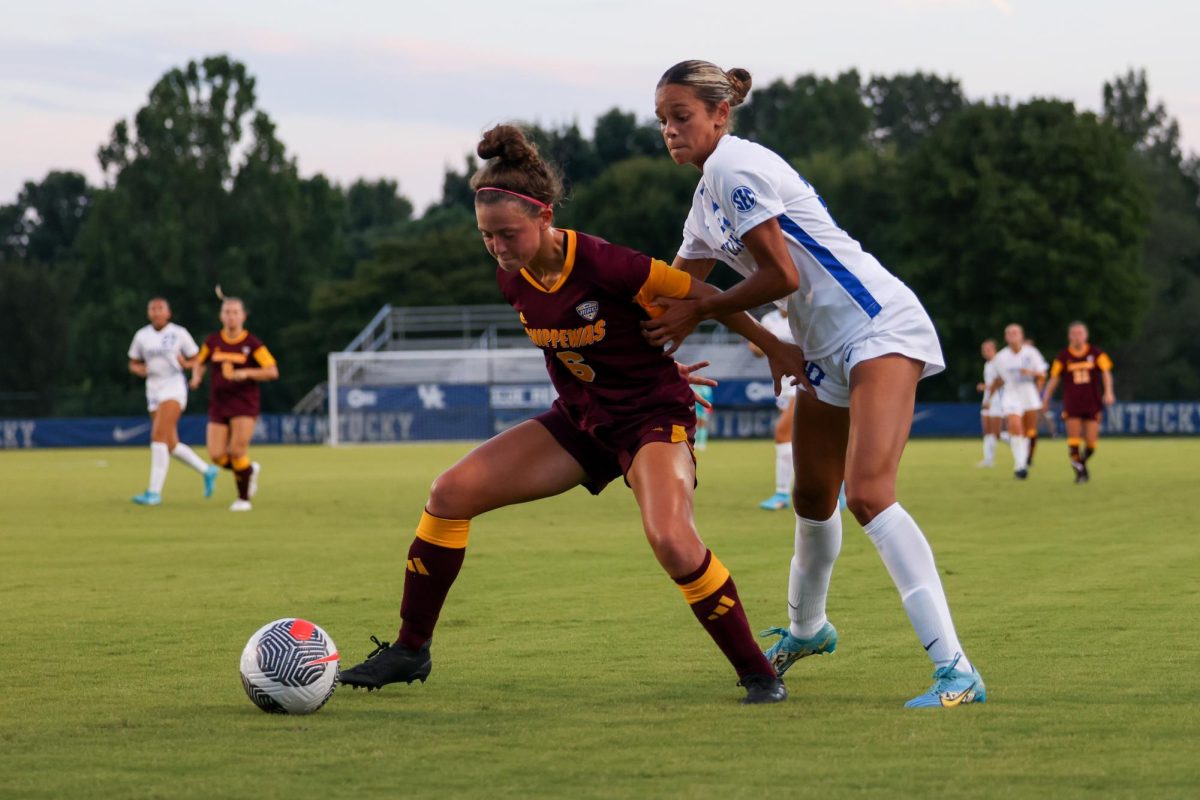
{"points": [[575, 363]]}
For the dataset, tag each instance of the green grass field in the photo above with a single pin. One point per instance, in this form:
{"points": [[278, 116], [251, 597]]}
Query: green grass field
{"points": [[566, 664]]}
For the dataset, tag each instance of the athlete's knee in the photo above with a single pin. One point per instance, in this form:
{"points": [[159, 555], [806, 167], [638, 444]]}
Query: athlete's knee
{"points": [[868, 499], [676, 546], [455, 494], [814, 502], [238, 450]]}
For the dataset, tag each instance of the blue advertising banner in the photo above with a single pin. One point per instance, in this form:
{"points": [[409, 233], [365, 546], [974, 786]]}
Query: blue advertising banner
{"points": [[744, 410]]}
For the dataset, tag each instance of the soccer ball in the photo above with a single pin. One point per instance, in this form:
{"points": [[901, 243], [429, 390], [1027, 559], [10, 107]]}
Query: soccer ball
{"points": [[289, 666]]}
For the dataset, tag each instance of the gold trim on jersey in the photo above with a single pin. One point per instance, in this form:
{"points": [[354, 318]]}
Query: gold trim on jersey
{"points": [[237, 340], [263, 356], [568, 265]]}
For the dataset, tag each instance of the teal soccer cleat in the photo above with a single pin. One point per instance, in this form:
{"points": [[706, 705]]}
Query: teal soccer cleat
{"points": [[210, 480], [951, 688], [776, 502], [148, 499], [789, 649]]}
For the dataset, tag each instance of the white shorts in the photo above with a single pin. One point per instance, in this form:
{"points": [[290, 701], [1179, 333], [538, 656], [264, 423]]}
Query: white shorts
{"points": [[903, 327], [783, 401], [158, 392], [1019, 399], [995, 406]]}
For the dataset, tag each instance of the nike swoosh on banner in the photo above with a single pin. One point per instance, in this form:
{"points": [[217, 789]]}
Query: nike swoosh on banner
{"points": [[324, 660], [125, 434], [922, 415]]}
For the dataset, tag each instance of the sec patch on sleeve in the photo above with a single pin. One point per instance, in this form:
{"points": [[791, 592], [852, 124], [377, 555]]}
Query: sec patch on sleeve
{"points": [[743, 198]]}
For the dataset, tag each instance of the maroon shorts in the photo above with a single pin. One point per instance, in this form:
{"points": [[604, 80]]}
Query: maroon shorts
{"points": [[1084, 411], [221, 410], [608, 453]]}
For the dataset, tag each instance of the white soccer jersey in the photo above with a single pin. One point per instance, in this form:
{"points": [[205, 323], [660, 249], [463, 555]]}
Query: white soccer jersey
{"points": [[842, 287], [1020, 391], [159, 350], [989, 377], [778, 326]]}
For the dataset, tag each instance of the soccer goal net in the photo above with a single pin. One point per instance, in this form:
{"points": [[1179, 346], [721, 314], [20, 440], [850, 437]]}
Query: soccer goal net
{"points": [[396, 396]]}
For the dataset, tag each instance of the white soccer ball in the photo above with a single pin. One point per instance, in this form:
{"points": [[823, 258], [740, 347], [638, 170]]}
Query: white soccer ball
{"points": [[289, 666]]}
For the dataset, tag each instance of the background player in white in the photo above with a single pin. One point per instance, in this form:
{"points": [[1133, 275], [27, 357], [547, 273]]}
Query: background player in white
{"points": [[159, 353], [1018, 367], [866, 341], [991, 416], [776, 322]]}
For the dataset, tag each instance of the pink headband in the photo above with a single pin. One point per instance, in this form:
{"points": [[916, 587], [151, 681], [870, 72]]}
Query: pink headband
{"points": [[533, 200]]}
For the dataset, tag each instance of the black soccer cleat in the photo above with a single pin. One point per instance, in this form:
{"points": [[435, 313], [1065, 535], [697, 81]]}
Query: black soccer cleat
{"points": [[762, 689], [1021, 474], [389, 664]]}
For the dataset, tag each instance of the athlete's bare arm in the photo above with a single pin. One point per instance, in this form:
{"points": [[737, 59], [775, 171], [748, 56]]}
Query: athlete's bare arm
{"points": [[260, 374], [1048, 392]]}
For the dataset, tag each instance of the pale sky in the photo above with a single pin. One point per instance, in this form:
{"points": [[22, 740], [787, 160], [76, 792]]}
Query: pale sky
{"points": [[399, 89]]}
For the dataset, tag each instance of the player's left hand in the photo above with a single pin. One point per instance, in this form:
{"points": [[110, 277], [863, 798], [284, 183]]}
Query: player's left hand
{"points": [[238, 375], [788, 359], [676, 323], [1109, 398]]}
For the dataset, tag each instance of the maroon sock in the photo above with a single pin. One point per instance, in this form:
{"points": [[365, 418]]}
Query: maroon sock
{"points": [[720, 612], [429, 573], [242, 476], [1074, 451]]}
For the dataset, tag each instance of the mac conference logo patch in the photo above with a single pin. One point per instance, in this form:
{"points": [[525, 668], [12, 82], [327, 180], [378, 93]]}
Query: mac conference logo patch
{"points": [[743, 198], [588, 310]]}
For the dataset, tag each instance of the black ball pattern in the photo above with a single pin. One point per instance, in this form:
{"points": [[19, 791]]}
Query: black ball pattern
{"points": [[287, 661], [262, 699]]}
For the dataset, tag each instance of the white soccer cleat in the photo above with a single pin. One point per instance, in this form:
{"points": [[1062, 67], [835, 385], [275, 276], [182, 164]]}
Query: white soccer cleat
{"points": [[241, 505], [255, 469]]}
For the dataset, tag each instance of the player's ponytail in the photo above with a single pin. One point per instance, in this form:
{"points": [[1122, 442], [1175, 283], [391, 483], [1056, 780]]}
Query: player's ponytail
{"points": [[514, 170], [710, 83]]}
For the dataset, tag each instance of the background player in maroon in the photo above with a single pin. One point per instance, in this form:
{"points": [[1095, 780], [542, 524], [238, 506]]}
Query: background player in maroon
{"points": [[624, 408], [234, 401], [1086, 371]]}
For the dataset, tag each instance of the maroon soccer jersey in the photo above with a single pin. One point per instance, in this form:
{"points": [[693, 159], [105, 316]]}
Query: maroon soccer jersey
{"points": [[589, 327], [1083, 388], [227, 397]]}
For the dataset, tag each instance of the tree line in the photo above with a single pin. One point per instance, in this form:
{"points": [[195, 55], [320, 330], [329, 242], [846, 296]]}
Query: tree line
{"points": [[993, 211]]}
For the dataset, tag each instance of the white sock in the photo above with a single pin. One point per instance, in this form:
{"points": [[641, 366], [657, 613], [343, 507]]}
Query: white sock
{"points": [[909, 561], [188, 456], [1020, 451], [817, 547], [783, 468], [989, 448], [160, 461]]}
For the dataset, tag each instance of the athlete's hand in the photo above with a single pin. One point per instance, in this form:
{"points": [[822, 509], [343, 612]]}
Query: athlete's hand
{"points": [[675, 324], [194, 383], [1109, 398], [238, 375], [788, 359], [686, 370]]}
